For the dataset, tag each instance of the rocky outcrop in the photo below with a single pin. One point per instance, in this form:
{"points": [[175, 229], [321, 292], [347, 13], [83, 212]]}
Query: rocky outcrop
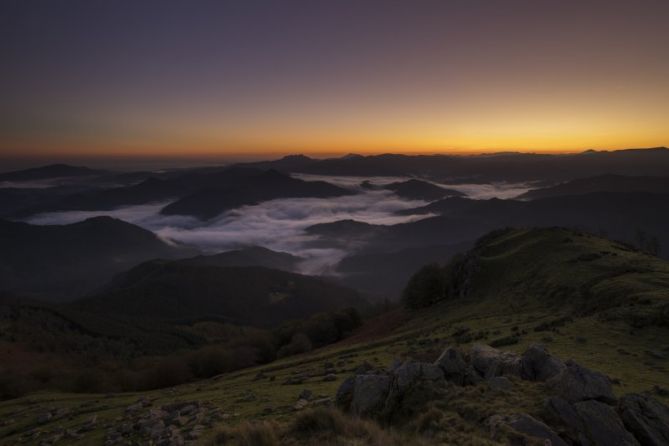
{"points": [[537, 364], [178, 423], [455, 368], [646, 418], [369, 393], [581, 410], [490, 362], [381, 394], [576, 383], [601, 425], [518, 428]]}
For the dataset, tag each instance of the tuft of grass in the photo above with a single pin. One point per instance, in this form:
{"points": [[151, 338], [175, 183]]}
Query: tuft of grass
{"points": [[262, 433]]}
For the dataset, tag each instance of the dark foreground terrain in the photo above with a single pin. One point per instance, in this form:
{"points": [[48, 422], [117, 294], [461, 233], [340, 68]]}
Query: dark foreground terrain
{"points": [[461, 365]]}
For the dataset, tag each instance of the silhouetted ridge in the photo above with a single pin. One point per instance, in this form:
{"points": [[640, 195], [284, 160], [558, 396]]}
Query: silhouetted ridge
{"points": [[50, 171]]}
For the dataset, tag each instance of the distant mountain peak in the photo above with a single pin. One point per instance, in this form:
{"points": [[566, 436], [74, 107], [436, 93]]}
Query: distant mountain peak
{"points": [[49, 171], [296, 157]]}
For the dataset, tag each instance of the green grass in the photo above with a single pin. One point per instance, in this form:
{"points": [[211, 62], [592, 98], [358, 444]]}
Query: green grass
{"points": [[525, 279]]}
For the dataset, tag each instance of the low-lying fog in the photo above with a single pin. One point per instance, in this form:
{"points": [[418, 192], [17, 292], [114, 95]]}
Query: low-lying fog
{"points": [[279, 224]]}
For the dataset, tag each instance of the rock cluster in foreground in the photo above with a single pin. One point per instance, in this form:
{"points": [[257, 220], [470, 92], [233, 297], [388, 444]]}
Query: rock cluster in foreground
{"points": [[581, 408]]}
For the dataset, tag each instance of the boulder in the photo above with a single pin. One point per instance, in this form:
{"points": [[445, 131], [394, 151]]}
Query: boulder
{"points": [[345, 393], [412, 371], [305, 394], [500, 384], [413, 384], [369, 394], [576, 383], [537, 364], [518, 427], [489, 362], [646, 418], [563, 417], [301, 404], [455, 368], [602, 426]]}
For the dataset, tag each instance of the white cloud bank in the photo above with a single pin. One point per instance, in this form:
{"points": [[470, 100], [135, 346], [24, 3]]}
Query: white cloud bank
{"points": [[278, 224]]}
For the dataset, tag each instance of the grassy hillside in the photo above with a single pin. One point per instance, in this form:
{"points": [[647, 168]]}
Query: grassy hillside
{"points": [[561, 269], [63, 262], [586, 298], [173, 290]]}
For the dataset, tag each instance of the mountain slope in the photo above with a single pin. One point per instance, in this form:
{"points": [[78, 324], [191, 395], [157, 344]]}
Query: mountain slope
{"points": [[149, 190], [563, 270], [241, 295], [571, 291], [636, 217], [603, 183], [421, 190], [51, 171], [513, 167], [63, 262], [248, 256], [210, 202]]}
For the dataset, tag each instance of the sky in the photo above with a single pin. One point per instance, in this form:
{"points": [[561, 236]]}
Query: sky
{"points": [[144, 78]]}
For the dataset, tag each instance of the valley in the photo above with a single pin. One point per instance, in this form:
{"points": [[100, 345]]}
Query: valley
{"points": [[124, 323]]}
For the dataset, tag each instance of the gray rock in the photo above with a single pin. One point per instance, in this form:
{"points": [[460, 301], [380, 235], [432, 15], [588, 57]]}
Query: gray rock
{"points": [[489, 362], [345, 393], [301, 404], [646, 418], [134, 408], [369, 393], [412, 371], [526, 426], [537, 364], [306, 394], [562, 416], [500, 384], [330, 377], [576, 383], [44, 418], [326, 401], [602, 425], [294, 380], [455, 368]]}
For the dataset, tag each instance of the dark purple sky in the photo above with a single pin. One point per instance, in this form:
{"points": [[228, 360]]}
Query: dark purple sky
{"points": [[133, 77]]}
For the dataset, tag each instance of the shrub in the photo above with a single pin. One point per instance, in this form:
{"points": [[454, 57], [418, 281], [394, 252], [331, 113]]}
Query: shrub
{"points": [[165, 373], [300, 343], [331, 426], [319, 420], [426, 287], [90, 381], [14, 385], [248, 434]]}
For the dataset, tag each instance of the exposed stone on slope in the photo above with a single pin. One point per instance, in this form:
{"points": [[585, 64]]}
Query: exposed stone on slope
{"points": [[455, 368], [500, 384], [581, 412], [646, 418], [564, 418], [412, 371], [576, 383], [489, 361], [537, 364], [369, 393], [344, 394], [602, 425], [523, 426]]}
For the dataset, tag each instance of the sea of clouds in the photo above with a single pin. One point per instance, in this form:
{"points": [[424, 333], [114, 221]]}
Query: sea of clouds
{"points": [[280, 224]]}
